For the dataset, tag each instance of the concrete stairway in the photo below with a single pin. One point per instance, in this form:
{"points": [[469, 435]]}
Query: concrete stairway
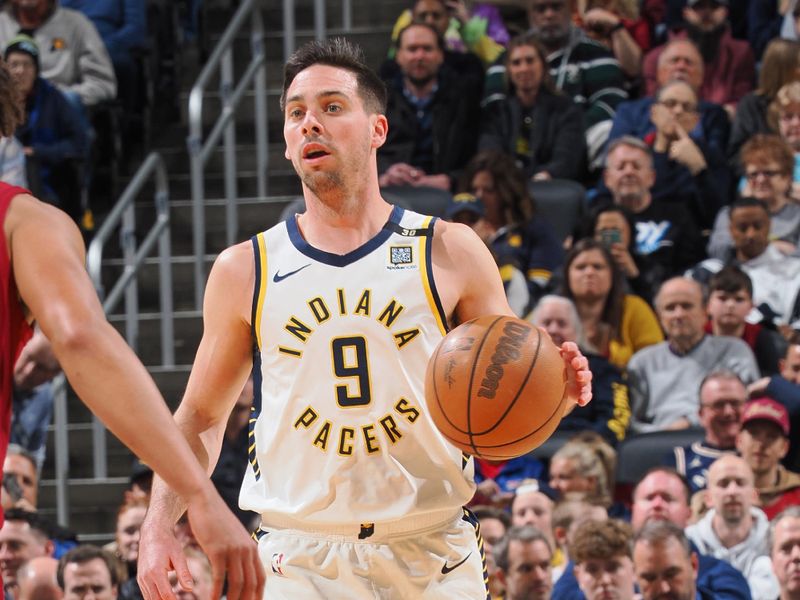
{"points": [[93, 503]]}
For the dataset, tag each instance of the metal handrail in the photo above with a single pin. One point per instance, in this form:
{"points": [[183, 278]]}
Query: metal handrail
{"points": [[320, 33], [200, 148], [122, 214]]}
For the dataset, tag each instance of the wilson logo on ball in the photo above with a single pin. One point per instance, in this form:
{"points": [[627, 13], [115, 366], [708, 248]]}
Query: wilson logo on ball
{"points": [[507, 349]]}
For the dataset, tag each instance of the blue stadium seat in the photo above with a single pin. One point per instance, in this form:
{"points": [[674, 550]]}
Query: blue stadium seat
{"points": [[424, 200], [638, 453]]}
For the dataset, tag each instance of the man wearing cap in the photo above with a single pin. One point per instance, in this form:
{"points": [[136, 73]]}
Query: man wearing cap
{"points": [[51, 135], [729, 63], [763, 442], [469, 210]]}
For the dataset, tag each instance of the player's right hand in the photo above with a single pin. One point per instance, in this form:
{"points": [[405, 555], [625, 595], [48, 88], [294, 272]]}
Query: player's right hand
{"points": [[160, 553]]}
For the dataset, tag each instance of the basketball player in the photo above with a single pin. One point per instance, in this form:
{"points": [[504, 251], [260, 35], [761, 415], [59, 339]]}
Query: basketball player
{"points": [[337, 312], [42, 277]]}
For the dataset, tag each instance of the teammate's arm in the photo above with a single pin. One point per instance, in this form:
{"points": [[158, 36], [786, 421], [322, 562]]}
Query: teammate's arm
{"points": [[470, 286], [221, 367], [48, 261]]}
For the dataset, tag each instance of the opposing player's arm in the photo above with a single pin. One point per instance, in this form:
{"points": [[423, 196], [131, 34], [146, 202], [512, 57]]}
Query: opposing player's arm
{"points": [[466, 274], [48, 260]]}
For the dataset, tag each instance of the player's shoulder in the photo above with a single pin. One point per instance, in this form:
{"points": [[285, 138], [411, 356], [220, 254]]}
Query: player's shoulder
{"points": [[235, 262], [455, 235], [28, 213]]}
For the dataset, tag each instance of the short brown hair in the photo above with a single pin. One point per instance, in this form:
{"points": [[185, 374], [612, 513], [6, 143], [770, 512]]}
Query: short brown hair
{"points": [[601, 539], [85, 553], [763, 148]]}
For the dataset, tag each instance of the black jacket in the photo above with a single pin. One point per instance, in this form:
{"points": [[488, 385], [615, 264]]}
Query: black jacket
{"points": [[456, 113], [556, 140]]}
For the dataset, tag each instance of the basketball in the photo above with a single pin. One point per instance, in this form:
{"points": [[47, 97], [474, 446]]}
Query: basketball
{"points": [[494, 387]]}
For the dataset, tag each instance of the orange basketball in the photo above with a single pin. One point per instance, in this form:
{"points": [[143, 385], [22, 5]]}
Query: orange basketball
{"points": [[494, 387]]}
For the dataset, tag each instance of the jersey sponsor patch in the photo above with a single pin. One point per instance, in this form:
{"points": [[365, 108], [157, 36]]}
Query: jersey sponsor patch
{"points": [[401, 255]]}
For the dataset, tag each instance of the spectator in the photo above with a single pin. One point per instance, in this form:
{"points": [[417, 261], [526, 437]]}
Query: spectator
{"points": [[693, 172], [722, 398], [730, 302], [86, 570], [581, 68], [52, 135], [784, 117], [21, 466], [200, 570], [763, 442], [656, 402], [494, 524], [609, 412], [479, 32], [533, 505], [515, 233], [432, 112], [126, 543], [536, 124], [679, 61], [785, 388], [784, 545], [666, 238], [523, 559], [778, 67], [122, 25], [37, 580], [577, 468], [729, 63], [733, 529], [619, 28], [73, 56], [603, 555], [23, 536], [665, 565], [570, 512], [616, 324], [231, 465], [32, 408], [768, 168]]}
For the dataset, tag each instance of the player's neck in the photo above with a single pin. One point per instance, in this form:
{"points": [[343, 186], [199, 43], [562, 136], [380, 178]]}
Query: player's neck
{"points": [[342, 228]]}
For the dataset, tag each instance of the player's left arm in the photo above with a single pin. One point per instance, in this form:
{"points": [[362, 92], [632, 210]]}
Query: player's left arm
{"points": [[470, 286]]}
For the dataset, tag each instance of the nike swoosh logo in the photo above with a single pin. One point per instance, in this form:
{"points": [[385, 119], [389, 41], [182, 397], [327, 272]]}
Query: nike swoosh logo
{"points": [[446, 569], [278, 277]]}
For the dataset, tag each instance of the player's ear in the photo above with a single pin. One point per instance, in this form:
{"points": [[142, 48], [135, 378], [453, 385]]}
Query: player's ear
{"points": [[286, 154], [380, 129]]}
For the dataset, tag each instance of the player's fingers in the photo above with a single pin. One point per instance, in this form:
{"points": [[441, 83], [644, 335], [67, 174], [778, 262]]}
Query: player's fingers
{"points": [[235, 576], [257, 570], [217, 575]]}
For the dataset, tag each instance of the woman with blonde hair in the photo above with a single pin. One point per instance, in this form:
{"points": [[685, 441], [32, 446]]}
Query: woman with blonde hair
{"points": [[579, 467], [780, 65]]}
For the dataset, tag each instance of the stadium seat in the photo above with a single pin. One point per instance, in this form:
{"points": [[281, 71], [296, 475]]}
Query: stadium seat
{"points": [[424, 200], [561, 203], [638, 453]]}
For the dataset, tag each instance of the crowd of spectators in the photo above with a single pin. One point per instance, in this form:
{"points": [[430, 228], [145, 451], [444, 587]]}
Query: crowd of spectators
{"points": [[680, 124]]}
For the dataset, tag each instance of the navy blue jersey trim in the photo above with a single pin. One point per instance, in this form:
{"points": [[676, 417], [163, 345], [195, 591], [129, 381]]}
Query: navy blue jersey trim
{"points": [[255, 411], [342, 260], [257, 287], [431, 280]]}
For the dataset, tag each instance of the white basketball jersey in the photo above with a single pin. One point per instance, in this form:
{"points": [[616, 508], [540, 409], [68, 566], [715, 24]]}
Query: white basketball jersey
{"points": [[340, 432]]}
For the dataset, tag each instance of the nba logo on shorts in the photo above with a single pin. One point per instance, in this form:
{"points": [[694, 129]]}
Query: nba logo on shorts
{"points": [[277, 563]]}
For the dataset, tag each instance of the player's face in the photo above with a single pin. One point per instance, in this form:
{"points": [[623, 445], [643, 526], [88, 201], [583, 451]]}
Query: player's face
{"points": [[330, 137], [721, 403], [564, 477], [730, 489], [762, 445], [729, 309], [535, 509], [18, 544], [785, 554], [750, 230], [790, 364], [529, 575], [556, 319], [681, 311], [606, 579], [128, 525], [629, 174], [660, 496], [664, 571], [88, 580], [590, 276]]}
